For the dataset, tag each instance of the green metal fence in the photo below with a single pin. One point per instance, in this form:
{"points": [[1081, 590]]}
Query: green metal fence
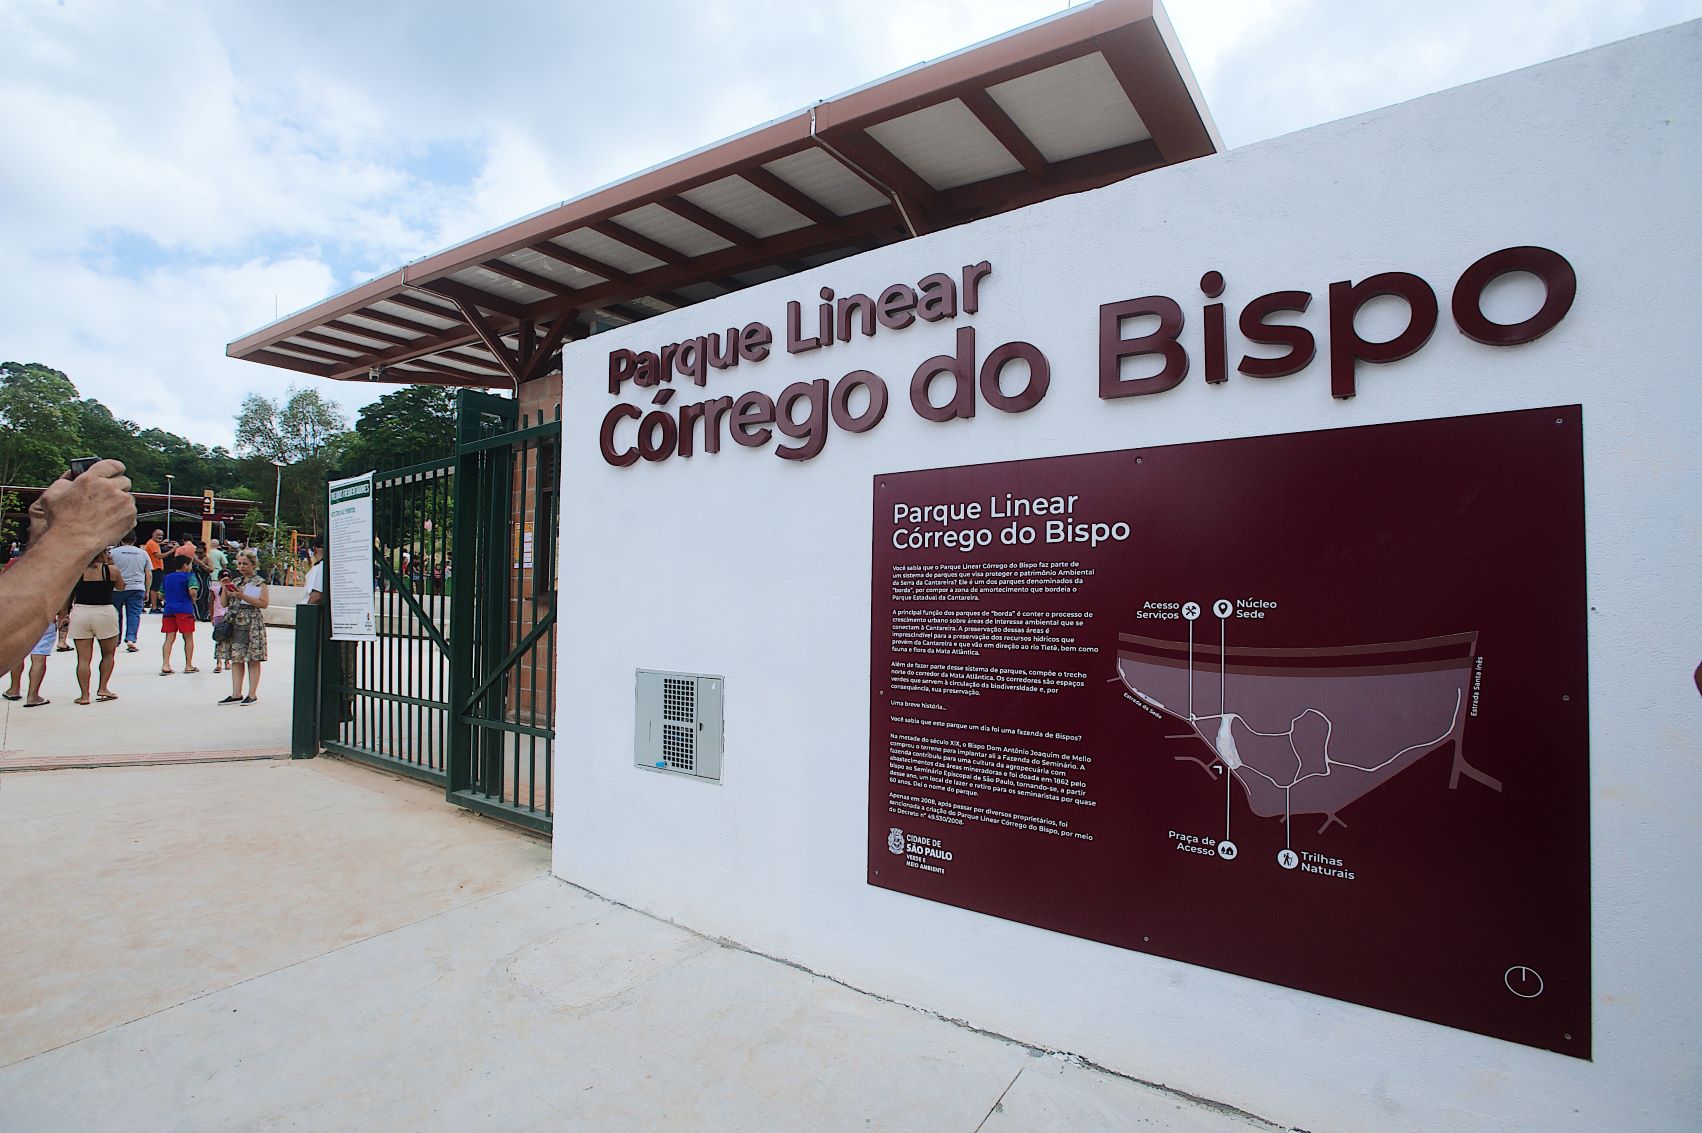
{"points": [[459, 687], [503, 668], [388, 700]]}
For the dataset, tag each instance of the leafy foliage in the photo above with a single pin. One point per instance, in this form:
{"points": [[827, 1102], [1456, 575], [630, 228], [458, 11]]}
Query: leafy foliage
{"points": [[412, 424], [44, 423], [38, 424], [301, 432]]}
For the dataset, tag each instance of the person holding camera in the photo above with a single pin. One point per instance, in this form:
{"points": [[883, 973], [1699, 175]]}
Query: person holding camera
{"points": [[71, 523]]}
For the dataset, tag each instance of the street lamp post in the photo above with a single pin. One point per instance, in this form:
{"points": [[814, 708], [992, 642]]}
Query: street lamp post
{"points": [[277, 498], [168, 480]]}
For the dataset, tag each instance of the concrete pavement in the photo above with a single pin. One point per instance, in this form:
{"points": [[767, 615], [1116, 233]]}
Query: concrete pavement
{"points": [[315, 945], [155, 718]]}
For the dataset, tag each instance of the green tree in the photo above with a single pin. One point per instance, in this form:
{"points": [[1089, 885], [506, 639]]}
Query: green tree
{"points": [[10, 505], [296, 432], [252, 523], [38, 423], [412, 424]]}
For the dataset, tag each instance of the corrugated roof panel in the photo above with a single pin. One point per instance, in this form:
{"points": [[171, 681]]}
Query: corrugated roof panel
{"points": [[283, 348], [1074, 108], [671, 229], [540, 264], [380, 327], [946, 144], [817, 173], [745, 205], [493, 284], [607, 251], [577, 277], [350, 351], [447, 319], [362, 344], [459, 364]]}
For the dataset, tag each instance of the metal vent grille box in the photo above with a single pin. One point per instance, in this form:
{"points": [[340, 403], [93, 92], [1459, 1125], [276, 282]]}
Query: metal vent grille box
{"points": [[677, 725]]}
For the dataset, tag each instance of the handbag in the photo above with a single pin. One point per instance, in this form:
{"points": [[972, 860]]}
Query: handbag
{"points": [[222, 632]]}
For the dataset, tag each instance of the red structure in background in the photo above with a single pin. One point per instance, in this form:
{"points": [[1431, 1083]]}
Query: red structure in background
{"points": [[189, 513]]}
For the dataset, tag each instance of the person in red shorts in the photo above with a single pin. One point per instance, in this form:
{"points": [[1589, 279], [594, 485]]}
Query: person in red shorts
{"points": [[179, 590]]}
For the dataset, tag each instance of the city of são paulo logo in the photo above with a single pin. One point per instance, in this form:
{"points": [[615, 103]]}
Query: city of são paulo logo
{"points": [[895, 840]]}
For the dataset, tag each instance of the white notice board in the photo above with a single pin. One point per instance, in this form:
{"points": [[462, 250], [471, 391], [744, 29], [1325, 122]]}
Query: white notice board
{"points": [[350, 584]]}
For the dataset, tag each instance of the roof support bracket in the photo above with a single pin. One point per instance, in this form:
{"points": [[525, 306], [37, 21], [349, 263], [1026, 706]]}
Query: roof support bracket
{"points": [[493, 341]]}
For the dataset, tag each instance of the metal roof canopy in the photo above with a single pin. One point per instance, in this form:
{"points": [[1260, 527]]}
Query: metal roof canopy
{"points": [[1072, 102]]}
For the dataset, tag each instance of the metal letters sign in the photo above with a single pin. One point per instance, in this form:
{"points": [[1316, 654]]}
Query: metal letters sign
{"points": [[351, 583], [1311, 709]]}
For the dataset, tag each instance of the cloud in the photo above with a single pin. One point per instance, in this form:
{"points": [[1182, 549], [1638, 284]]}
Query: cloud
{"points": [[1269, 69]]}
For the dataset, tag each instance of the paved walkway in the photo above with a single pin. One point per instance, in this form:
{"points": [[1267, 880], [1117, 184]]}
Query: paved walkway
{"points": [[155, 719], [315, 945]]}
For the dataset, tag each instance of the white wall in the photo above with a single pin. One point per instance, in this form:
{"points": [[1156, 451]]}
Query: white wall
{"points": [[757, 568]]}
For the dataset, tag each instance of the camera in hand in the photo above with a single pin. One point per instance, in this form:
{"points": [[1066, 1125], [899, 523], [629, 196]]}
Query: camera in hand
{"points": [[81, 464]]}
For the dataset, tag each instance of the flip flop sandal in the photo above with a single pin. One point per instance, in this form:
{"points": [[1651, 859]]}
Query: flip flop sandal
{"points": [[63, 649], [38, 704], [167, 672], [105, 696], [9, 696], [192, 669]]}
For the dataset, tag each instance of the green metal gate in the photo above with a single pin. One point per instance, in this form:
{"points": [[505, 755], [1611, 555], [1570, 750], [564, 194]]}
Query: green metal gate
{"points": [[459, 687]]}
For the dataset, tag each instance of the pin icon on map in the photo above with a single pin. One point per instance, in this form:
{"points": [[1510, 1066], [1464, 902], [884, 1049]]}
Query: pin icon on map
{"points": [[1223, 607]]}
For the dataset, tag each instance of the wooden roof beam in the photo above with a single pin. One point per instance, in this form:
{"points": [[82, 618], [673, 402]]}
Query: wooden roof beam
{"points": [[575, 260], [465, 297], [795, 199], [374, 335], [531, 279], [709, 222], [388, 319], [1004, 131], [403, 299], [639, 242]]}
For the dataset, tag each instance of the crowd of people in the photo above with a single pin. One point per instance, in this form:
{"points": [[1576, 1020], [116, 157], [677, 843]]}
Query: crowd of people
{"points": [[218, 582]]}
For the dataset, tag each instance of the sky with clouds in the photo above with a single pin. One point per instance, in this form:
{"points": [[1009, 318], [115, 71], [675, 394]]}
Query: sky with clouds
{"points": [[173, 172]]}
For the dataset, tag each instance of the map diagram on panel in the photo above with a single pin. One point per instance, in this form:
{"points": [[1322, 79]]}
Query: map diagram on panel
{"points": [[1311, 709], [1305, 731]]}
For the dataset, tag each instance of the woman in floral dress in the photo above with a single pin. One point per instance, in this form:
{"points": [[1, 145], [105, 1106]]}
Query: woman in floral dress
{"points": [[246, 599]]}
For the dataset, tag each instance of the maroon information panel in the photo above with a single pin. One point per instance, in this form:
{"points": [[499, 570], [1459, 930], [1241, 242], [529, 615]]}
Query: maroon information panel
{"points": [[1310, 709]]}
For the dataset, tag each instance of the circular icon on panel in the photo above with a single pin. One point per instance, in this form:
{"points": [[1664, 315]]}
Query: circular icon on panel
{"points": [[1223, 607], [1287, 859], [1523, 982], [1190, 610], [1227, 850]]}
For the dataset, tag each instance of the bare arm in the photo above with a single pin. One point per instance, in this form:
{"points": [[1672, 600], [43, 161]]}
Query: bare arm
{"points": [[70, 523]]}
